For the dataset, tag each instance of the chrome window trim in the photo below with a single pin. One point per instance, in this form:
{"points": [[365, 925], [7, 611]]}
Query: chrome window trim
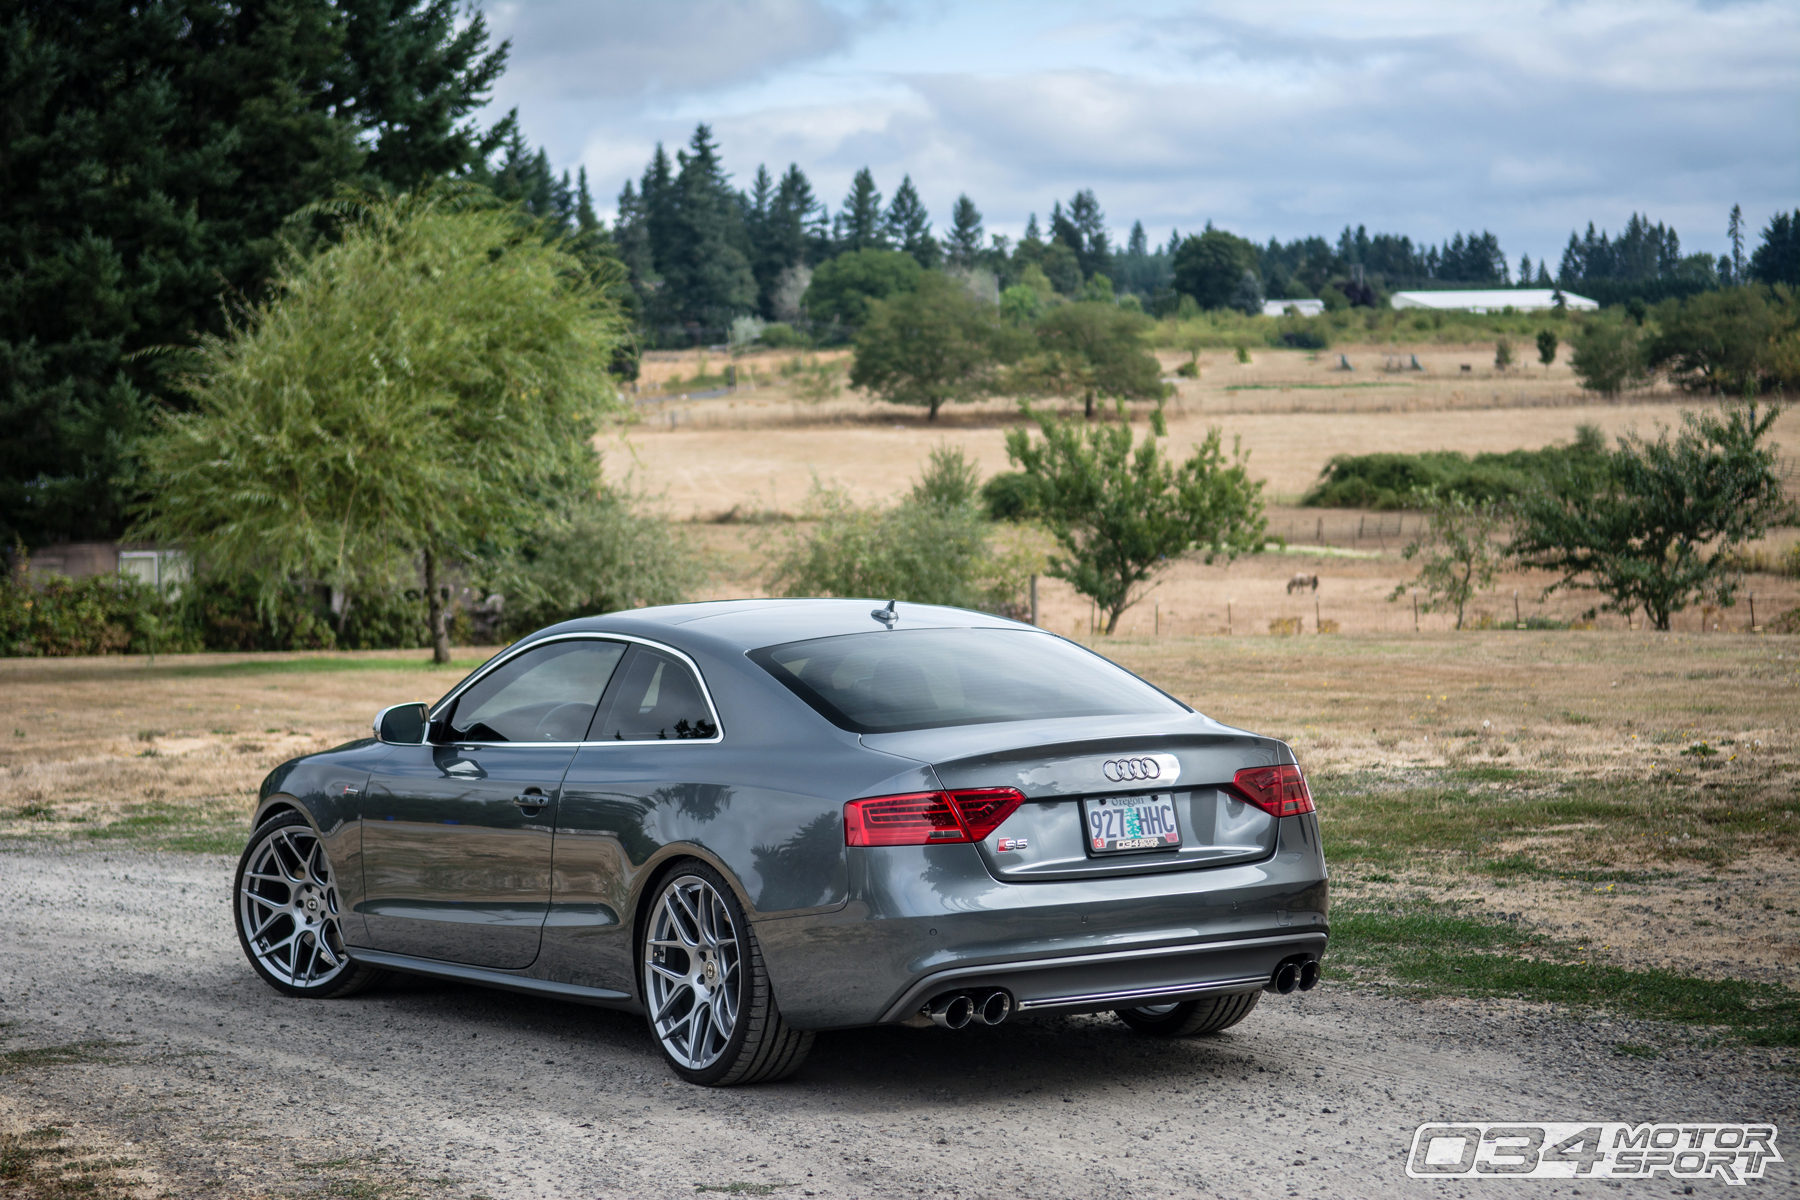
{"points": [[500, 660]]}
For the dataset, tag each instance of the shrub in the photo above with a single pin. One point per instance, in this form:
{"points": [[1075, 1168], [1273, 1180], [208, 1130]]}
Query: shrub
{"points": [[1388, 480], [1607, 357], [52, 616], [779, 335]]}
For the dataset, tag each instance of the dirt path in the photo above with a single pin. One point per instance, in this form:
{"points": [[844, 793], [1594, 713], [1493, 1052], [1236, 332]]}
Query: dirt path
{"points": [[229, 1089]]}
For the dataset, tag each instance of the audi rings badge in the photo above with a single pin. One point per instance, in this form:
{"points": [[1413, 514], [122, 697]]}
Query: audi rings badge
{"points": [[1142, 768]]}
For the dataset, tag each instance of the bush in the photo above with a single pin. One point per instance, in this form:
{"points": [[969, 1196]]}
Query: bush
{"points": [[241, 613], [779, 335], [934, 547], [1007, 496], [53, 616], [1387, 481], [1608, 357], [605, 555]]}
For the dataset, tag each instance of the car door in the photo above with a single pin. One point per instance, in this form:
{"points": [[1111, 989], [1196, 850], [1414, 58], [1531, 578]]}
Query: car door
{"points": [[648, 775], [458, 833]]}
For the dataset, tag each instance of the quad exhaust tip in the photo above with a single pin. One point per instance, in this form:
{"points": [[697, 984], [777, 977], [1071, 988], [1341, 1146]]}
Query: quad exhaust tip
{"points": [[959, 1010]]}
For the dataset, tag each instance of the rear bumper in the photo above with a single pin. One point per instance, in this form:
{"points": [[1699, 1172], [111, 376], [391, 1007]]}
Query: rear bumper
{"points": [[921, 921], [1122, 979]]}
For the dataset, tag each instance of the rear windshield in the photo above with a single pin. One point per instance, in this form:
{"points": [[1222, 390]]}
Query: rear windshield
{"points": [[893, 680]]}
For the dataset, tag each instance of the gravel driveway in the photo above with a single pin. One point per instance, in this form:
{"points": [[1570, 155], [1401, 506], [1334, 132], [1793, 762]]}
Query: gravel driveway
{"points": [[230, 1089]]}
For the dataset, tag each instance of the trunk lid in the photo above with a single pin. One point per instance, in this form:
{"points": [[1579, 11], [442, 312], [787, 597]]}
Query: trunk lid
{"points": [[1061, 764]]}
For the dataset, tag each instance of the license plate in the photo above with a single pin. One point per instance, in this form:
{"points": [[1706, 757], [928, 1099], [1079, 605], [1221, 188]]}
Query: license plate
{"points": [[1131, 824]]}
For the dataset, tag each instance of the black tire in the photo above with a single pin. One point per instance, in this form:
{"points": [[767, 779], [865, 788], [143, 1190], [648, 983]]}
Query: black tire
{"points": [[699, 962], [1189, 1018], [284, 904]]}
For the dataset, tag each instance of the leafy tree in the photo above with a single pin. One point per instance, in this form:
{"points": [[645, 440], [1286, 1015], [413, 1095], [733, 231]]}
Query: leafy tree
{"points": [[427, 386], [842, 288], [964, 242], [1094, 351], [908, 226], [1729, 341], [858, 225], [932, 345], [1777, 260], [151, 153], [1503, 354], [1607, 356], [1120, 513], [1459, 552], [1656, 524], [1546, 347], [1211, 266]]}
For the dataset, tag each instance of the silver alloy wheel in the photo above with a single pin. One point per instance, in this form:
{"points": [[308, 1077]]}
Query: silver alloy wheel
{"points": [[288, 908], [693, 972]]}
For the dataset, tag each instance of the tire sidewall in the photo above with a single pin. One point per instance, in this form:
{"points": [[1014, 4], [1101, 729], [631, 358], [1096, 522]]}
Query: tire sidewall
{"points": [[734, 1045]]}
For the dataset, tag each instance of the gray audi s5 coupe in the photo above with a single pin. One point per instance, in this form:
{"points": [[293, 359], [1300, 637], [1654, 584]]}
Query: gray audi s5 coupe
{"points": [[753, 820]]}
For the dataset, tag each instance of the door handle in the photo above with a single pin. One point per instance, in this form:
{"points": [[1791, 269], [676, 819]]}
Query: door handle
{"points": [[531, 798]]}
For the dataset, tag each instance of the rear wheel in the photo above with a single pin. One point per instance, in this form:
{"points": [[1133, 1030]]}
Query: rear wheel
{"points": [[1190, 1017], [286, 906], [708, 997]]}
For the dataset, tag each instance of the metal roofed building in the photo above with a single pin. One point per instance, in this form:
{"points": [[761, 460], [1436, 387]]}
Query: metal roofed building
{"points": [[1304, 308], [1491, 300]]}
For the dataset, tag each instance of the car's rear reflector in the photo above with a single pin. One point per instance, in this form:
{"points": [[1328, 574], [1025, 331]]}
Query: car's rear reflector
{"points": [[928, 818], [1278, 791]]}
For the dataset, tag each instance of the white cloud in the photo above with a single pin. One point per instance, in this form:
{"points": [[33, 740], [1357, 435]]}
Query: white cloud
{"points": [[1409, 117]]}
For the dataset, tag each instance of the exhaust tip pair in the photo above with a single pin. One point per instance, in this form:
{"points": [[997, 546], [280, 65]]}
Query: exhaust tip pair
{"points": [[1296, 974], [959, 1010]]}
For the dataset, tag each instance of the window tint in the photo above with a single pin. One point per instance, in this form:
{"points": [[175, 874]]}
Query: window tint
{"points": [[881, 682], [544, 695], [657, 699]]}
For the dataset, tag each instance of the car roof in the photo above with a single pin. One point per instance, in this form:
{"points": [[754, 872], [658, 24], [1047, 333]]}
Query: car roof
{"points": [[750, 624]]}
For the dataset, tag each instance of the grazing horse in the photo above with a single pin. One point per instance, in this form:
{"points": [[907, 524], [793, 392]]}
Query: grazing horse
{"points": [[1300, 583]]}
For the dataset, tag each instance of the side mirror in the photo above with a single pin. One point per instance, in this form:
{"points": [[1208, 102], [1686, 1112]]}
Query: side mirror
{"points": [[401, 724]]}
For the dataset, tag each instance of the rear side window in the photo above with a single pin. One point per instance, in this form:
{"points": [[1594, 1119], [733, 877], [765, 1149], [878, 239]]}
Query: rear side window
{"points": [[893, 680], [547, 694], [657, 699]]}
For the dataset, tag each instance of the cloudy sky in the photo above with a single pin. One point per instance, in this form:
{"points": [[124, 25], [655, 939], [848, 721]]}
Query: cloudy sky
{"points": [[1270, 119]]}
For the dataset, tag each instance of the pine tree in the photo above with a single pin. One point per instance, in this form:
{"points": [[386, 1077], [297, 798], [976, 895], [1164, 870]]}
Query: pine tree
{"points": [[1734, 230], [1137, 243], [964, 242], [859, 224], [1094, 250], [908, 226], [706, 269]]}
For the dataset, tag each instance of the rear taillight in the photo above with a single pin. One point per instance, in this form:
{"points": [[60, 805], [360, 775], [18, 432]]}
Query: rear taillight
{"points": [[928, 818], [1278, 791]]}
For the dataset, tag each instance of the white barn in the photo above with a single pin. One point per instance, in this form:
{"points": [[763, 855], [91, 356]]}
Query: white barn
{"points": [[1305, 308], [1491, 300]]}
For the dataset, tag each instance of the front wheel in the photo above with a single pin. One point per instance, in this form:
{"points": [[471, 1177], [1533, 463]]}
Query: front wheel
{"points": [[285, 900], [708, 997], [1190, 1017]]}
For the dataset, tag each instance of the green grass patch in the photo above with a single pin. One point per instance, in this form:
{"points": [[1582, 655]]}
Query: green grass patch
{"points": [[314, 666], [93, 1050], [1434, 950], [1387, 821]]}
